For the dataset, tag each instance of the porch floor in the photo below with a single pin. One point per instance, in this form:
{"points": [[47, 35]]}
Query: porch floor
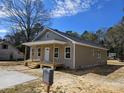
{"points": [[36, 64]]}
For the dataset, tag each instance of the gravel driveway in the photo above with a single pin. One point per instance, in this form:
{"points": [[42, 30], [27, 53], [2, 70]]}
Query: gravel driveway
{"points": [[11, 78]]}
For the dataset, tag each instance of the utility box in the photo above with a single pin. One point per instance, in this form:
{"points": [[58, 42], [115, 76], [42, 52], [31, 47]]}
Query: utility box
{"points": [[48, 74]]}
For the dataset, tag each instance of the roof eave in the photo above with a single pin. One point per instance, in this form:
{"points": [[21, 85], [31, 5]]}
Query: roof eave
{"points": [[78, 43], [73, 41], [43, 42]]}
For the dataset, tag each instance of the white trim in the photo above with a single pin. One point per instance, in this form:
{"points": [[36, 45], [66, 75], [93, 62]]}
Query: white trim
{"points": [[58, 53], [77, 42], [44, 42], [65, 52], [45, 28], [74, 56], [45, 54]]}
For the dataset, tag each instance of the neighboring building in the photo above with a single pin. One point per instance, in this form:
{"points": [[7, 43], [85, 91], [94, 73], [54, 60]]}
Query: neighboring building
{"points": [[112, 56], [8, 52], [54, 48]]}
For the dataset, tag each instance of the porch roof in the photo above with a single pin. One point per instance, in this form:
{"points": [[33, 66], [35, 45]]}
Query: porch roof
{"points": [[43, 42]]}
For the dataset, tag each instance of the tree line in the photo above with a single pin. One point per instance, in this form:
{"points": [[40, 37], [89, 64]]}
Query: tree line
{"points": [[25, 19], [111, 38]]}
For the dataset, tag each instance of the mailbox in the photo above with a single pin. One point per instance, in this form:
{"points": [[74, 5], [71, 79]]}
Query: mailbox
{"points": [[48, 74]]}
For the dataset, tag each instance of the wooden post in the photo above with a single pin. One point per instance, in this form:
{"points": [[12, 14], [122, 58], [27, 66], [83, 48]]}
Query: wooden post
{"points": [[48, 88], [25, 53]]}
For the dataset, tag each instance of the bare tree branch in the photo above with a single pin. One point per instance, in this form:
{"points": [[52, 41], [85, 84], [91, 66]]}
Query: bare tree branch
{"points": [[24, 14]]}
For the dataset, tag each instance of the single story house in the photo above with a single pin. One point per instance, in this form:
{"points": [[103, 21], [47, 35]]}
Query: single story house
{"points": [[54, 48], [9, 52]]}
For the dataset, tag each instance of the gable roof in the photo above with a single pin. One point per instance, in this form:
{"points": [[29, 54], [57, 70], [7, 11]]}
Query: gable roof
{"points": [[75, 40]]}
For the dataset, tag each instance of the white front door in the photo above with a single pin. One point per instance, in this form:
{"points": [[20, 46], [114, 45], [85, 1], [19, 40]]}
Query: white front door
{"points": [[47, 52]]}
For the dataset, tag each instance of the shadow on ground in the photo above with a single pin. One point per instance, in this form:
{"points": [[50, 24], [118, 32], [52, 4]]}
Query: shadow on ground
{"points": [[100, 70]]}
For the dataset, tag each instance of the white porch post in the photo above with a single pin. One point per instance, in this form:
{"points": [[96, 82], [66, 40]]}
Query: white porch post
{"points": [[32, 53], [53, 56]]}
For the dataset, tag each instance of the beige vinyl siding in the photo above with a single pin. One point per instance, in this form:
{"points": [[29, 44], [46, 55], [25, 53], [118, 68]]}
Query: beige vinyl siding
{"points": [[66, 62], [84, 56]]}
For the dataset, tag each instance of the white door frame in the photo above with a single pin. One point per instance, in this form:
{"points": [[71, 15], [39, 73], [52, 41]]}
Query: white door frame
{"points": [[57, 58], [39, 57], [47, 54]]}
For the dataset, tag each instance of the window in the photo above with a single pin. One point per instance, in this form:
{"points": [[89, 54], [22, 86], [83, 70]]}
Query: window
{"points": [[47, 35], [56, 52], [67, 52], [98, 54], [39, 51], [4, 46]]}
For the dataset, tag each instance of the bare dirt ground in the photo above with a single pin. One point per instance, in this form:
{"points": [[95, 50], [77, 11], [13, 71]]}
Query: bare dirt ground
{"points": [[103, 79]]}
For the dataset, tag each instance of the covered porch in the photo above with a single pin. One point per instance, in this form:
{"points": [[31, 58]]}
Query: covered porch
{"points": [[48, 53]]}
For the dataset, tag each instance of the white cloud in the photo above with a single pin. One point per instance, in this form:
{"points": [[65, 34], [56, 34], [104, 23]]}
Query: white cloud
{"points": [[2, 14], [2, 11], [3, 30], [66, 7], [71, 7]]}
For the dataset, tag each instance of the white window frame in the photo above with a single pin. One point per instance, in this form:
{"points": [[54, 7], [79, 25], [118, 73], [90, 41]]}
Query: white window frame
{"points": [[98, 54], [58, 52], [65, 52], [47, 35], [38, 51]]}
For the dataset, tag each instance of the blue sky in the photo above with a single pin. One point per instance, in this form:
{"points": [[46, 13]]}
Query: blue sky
{"points": [[81, 15]]}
